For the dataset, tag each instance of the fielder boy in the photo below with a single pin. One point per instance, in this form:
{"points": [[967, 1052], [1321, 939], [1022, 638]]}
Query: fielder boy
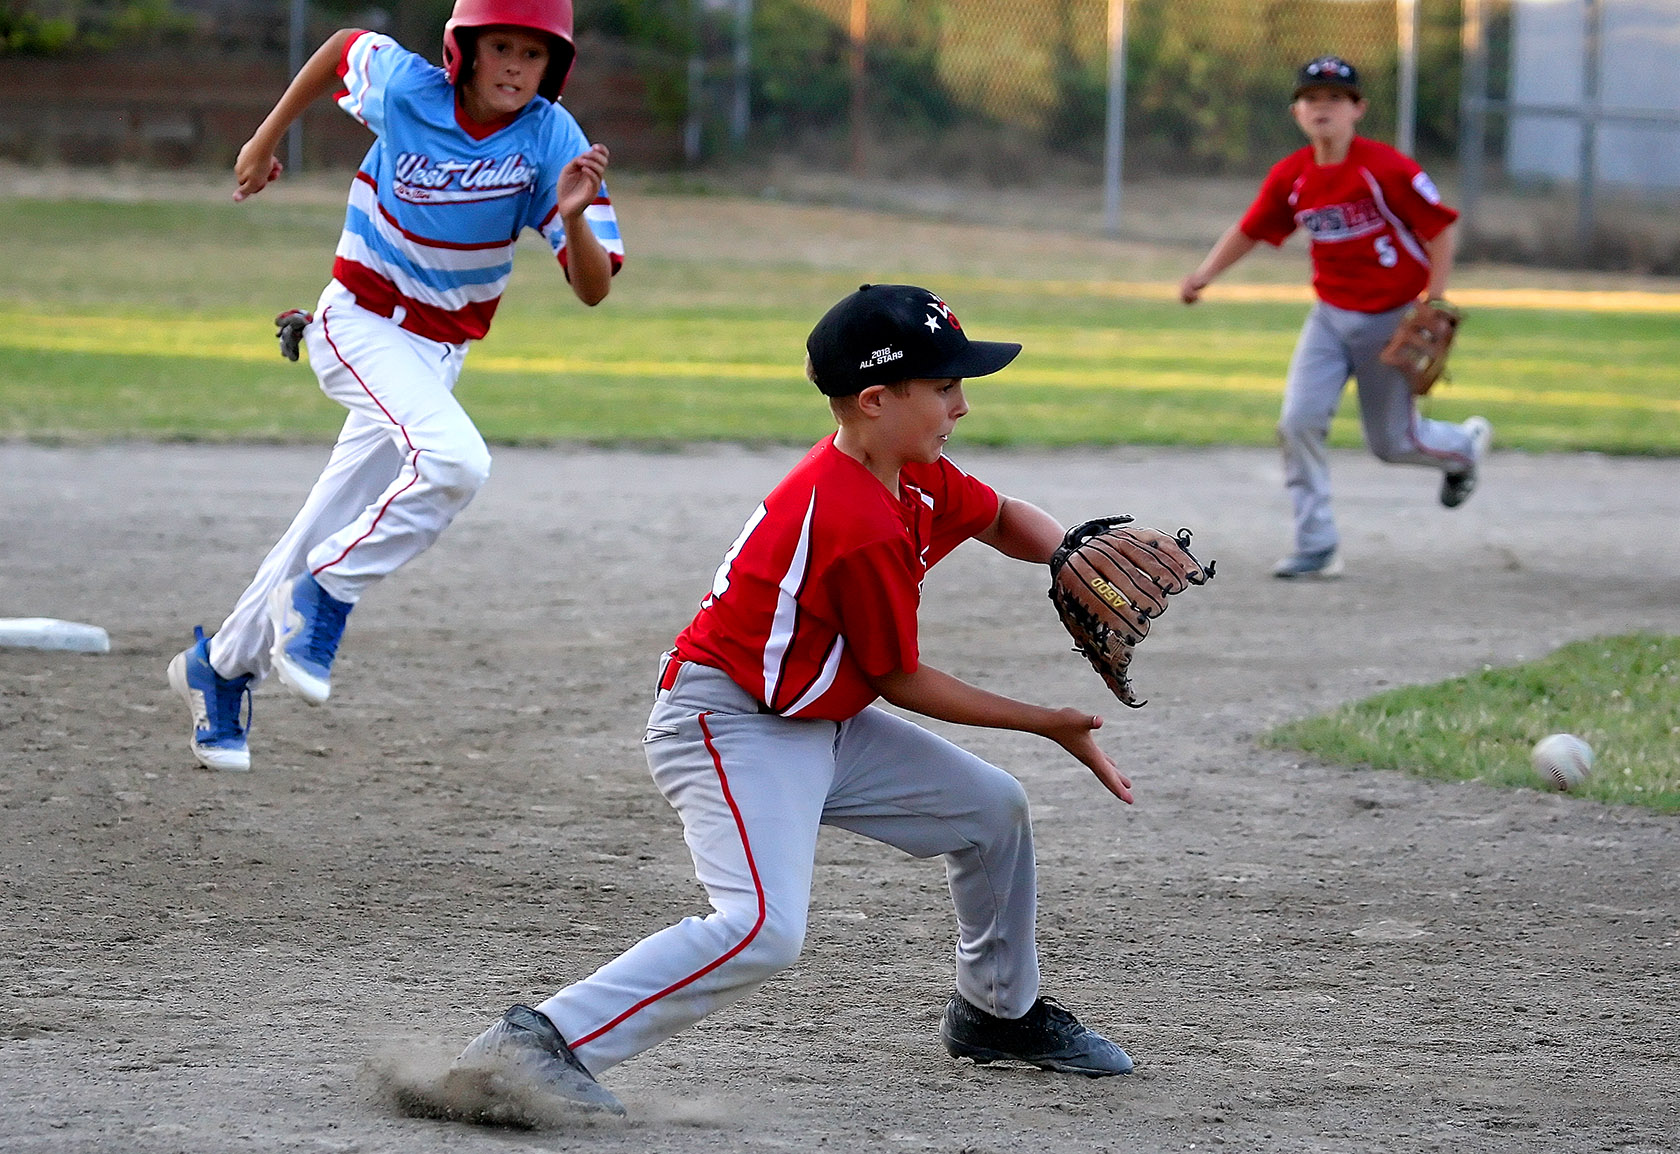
{"points": [[466, 157], [1380, 238], [763, 730]]}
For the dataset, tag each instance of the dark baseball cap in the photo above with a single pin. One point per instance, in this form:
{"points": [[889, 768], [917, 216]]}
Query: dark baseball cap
{"points": [[886, 333], [1327, 72]]}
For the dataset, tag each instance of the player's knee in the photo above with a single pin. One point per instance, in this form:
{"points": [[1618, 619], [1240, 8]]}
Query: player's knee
{"points": [[1013, 803], [775, 946], [1005, 802], [1297, 428], [1390, 449], [458, 474]]}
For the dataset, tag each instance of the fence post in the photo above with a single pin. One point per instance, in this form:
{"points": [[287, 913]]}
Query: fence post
{"points": [[1585, 209], [1405, 128], [740, 112], [1472, 113], [857, 41], [294, 61], [693, 126], [1114, 136]]}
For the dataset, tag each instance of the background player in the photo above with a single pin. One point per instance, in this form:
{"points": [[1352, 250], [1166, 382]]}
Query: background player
{"points": [[466, 157], [1380, 237], [763, 728]]}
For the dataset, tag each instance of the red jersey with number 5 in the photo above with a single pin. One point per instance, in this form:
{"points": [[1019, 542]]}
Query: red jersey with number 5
{"points": [[1368, 218], [821, 589]]}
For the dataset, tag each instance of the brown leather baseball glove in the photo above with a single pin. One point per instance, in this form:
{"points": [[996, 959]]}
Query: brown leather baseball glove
{"points": [[1420, 345], [1108, 582]]}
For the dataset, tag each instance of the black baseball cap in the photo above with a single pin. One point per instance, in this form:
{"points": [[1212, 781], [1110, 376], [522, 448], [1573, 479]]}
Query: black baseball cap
{"points": [[1327, 72], [886, 333]]}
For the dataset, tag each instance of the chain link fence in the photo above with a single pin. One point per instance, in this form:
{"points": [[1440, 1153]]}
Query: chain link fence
{"points": [[1207, 81], [1555, 122]]}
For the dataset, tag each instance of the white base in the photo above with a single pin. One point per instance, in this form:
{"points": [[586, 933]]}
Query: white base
{"points": [[51, 633]]}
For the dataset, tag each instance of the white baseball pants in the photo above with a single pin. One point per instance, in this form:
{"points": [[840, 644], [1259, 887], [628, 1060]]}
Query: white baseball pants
{"points": [[753, 789], [1336, 344], [407, 460]]}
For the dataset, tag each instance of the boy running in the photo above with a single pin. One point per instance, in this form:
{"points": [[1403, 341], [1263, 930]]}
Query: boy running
{"points": [[1380, 238], [466, 157]]}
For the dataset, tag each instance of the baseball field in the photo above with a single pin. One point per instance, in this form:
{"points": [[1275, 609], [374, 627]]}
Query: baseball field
{"points": [[1303, 952]]}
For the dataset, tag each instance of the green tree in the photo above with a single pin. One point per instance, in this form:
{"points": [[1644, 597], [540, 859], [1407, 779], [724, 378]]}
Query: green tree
{"points": [[52, 27]]}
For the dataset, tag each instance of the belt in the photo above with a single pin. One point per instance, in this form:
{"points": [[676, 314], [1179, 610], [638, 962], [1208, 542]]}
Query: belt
{"points": [[670, 665]]}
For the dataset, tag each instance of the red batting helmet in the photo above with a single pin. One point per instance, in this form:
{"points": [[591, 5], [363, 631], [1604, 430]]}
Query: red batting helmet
{"points": [[553, 17]]}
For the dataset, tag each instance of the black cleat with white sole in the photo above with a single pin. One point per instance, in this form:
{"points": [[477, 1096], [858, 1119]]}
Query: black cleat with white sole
{"points": [[1047, 1036]]}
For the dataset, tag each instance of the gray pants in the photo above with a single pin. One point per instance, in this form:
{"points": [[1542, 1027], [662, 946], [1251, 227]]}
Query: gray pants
{"points": [[1336, 344], [753, 789]]}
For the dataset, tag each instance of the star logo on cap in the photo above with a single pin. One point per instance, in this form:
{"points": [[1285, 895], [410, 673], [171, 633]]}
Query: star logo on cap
{"points": [[944, 310], [932, 323]]}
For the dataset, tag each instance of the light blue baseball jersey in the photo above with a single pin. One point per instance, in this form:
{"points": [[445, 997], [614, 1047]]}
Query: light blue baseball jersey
{"points": [[439, 201]]}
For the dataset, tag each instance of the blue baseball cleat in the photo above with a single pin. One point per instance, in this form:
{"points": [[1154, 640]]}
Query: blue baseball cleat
{"points": [[218, 739], [308, 624]]}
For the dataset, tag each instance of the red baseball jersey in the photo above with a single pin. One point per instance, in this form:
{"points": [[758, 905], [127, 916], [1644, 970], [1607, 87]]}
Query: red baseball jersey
{"points": [[1367, 216], [820, 590]]}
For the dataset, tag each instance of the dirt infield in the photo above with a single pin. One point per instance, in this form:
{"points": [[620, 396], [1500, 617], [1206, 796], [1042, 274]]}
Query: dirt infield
{"points": [[1301, 957]]}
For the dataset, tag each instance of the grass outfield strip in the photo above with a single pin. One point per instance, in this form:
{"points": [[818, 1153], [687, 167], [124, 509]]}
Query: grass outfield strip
{"points": [[1621, 694], [1108, 369], [1550, 300], [151, 320]]}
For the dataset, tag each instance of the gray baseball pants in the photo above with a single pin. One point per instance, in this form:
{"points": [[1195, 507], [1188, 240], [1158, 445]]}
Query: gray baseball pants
{"points": [[1336, 344], [753, 789]]}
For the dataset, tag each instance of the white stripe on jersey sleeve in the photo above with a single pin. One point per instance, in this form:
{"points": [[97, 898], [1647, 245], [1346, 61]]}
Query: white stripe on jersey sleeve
{"points": [[787, 606], [358, 78], [603, 222]]}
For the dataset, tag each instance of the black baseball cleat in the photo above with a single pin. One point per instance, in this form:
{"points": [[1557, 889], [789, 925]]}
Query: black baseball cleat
{"points": [[1047, 1036], [1457, 487], [523, 1059]]}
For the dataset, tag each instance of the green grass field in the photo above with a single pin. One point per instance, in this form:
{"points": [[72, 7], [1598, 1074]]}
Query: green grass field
{"points": [[1621, 694], [151, 320]]}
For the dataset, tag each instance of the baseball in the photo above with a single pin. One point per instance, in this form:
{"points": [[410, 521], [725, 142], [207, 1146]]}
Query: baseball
{"points": [[1563, 759]]}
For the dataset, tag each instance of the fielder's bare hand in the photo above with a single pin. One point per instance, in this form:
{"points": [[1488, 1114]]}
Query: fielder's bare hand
{"points": [[1190, 288], [580, 181], [1075, 731]]}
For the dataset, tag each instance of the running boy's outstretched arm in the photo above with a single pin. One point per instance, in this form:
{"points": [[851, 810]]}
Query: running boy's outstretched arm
{"points": [[257, 164], [1026, 532]]}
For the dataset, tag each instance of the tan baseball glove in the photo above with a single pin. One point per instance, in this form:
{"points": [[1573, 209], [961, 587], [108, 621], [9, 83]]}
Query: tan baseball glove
{"points": [[1420, 345], [1108, 582]]}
